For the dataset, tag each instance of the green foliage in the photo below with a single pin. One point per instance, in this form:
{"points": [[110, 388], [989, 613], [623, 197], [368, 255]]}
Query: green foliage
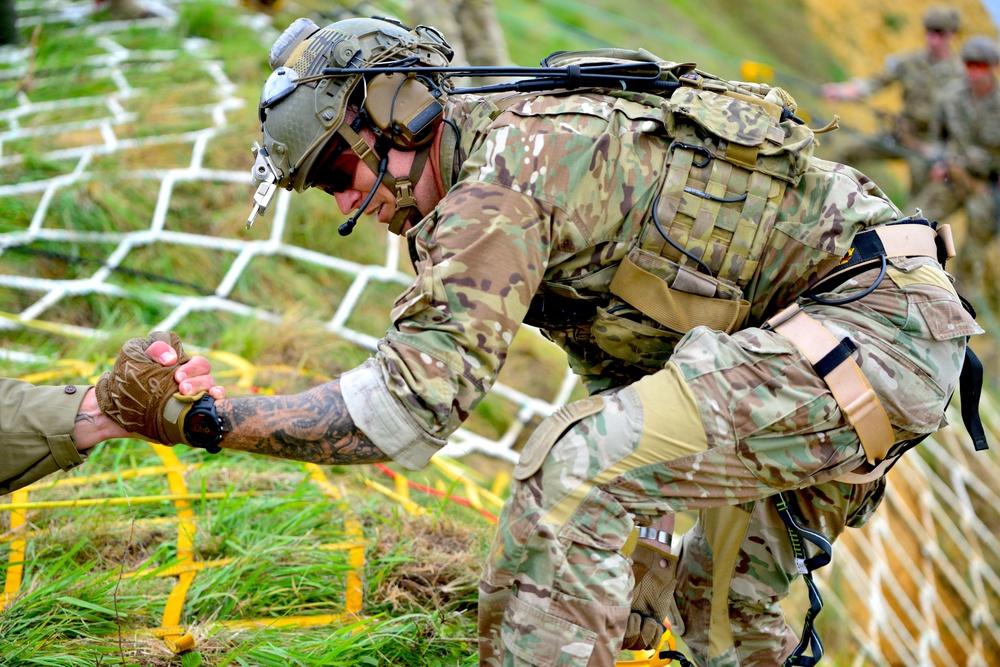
{"points": [[237, 45], [16, 212], [33, 168]]}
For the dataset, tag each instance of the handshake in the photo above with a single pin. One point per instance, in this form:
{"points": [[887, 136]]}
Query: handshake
{"points": [[143, 392]]}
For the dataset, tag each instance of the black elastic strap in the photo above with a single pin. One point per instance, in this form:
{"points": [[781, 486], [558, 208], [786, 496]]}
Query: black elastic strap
{"points": [[798, 535], [835, 357], [970, 384]]}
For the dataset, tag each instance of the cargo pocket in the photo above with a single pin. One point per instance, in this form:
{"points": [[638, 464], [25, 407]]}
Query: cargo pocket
{"points": [[785, 420], [625, 333], [539, 638]]}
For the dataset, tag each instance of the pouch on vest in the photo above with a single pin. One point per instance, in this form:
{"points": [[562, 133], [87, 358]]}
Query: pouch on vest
{"points": [[730, 161]]}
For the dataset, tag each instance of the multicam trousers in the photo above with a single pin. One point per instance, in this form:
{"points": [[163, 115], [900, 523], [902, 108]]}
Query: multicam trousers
{"points": [[729, 422]]}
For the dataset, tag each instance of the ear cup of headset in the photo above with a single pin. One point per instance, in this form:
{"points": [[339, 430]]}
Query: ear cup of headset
{"points": [[403, 109]]}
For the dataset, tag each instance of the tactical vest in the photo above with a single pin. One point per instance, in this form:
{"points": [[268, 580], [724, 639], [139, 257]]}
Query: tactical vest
{"points": [[734, 151]]}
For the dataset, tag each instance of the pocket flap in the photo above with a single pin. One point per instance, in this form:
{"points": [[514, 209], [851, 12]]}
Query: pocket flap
{"points": [[947, 319], [549, 431], [732, 119]]}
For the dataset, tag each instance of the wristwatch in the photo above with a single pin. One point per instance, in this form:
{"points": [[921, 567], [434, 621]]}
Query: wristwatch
{"points": [[202, 425]]}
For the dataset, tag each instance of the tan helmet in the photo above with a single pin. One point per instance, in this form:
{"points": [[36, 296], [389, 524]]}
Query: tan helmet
{"points": [[302, 109], [980, 49], [941, 18]]}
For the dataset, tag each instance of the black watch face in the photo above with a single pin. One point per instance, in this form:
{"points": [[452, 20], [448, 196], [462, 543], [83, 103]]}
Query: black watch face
{"points": [[201, 428]]}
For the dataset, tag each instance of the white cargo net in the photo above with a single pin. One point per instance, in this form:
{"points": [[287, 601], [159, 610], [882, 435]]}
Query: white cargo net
{"points": [[917, 586]]}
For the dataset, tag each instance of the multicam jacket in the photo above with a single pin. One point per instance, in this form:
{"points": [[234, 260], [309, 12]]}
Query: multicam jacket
{"points": [[551, 192], [921, 78]]}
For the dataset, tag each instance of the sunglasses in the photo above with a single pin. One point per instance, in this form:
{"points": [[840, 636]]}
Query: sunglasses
{"points": [[330, 173], [977, 65]]}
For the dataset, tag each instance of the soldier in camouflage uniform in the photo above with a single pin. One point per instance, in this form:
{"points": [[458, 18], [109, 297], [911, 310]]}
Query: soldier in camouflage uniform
{"points": [[528, 208], [920, 75], [966, 131]]}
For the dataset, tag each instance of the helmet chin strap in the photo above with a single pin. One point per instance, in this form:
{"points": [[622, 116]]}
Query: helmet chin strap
{"points": [[402, 187]]}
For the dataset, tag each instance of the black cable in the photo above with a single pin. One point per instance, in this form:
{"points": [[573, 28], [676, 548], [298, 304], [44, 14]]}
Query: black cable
{"points": [[590, 75], [868, 290], [348, 226], [673, 244]]}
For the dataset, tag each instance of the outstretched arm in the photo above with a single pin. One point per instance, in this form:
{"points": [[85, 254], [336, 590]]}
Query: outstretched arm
{"points": [[312, 426]]}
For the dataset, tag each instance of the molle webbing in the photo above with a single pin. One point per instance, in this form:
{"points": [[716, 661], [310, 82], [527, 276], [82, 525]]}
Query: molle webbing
{"points": [[717, 210], [832, 361], [726, 174]]}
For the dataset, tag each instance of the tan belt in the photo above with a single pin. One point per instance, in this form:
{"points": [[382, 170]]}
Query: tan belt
{"points": [[848, 384]]}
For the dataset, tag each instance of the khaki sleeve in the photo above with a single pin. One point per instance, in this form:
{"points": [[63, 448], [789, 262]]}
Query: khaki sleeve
{"points": [[36, 431]]}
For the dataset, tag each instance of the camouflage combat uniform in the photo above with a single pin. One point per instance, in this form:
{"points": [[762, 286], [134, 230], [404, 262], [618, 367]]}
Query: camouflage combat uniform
{"points": [[36, 432], [920, 79], [549, 194], [967, 128]]}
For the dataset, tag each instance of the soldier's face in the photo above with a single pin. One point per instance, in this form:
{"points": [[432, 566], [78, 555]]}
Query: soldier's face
{"points": [[349, 180], [982, 76], [939, 42]]}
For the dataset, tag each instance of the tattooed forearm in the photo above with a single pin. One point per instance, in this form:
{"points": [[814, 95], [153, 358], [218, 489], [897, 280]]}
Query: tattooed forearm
{"points": [[312, 426]]}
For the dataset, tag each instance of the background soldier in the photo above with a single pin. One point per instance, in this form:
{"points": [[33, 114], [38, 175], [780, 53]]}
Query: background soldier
{"points": [[920, 74], [471, 26], [667, 245], [966, 132]]}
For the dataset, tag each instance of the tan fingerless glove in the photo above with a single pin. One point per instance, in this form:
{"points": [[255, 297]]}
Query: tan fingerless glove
{"points": [[138, 391], [655, 575]]}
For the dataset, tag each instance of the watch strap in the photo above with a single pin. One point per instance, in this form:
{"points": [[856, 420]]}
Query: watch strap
{"points": [[174, 413]]}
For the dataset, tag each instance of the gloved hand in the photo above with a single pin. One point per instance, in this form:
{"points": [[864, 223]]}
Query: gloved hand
{"points": [[655, 575], [140, 395]]}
